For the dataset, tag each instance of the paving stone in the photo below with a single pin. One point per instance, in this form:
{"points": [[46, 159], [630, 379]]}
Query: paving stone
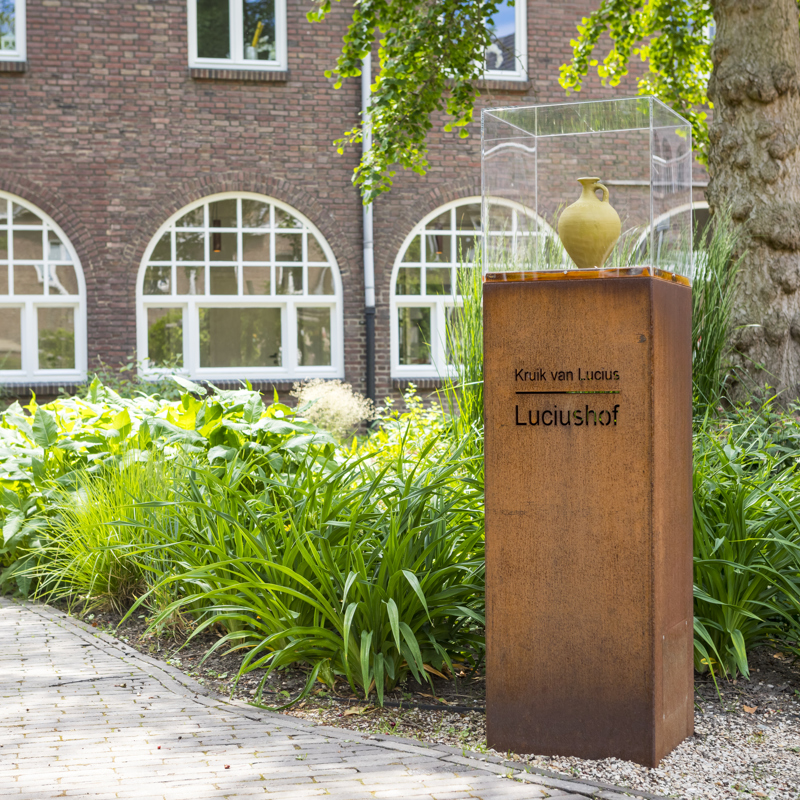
{"points": [[69, 728]]}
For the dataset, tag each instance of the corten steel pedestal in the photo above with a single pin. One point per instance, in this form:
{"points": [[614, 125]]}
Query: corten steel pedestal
{"points": [[588, 515]]}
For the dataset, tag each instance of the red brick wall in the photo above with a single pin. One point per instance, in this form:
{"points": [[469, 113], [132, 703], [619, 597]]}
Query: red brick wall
{"points": [[109, 134]]}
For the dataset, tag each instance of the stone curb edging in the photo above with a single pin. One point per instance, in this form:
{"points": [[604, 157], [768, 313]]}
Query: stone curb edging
{"points": [[175, 681]]}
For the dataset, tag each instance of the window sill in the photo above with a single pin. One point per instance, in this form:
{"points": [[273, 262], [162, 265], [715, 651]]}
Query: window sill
{"points": [[231, 74], [508, 85], [420, 383], [13, 66]]}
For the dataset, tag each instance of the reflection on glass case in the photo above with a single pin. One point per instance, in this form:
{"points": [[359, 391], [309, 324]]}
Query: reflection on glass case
{"points": [[603, 185]]}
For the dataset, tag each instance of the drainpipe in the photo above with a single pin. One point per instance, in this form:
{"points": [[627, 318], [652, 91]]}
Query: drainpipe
{"points": [[369, 261]]}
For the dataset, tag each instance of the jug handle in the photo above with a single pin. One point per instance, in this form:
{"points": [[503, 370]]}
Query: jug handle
{"points": [[599, 185]]}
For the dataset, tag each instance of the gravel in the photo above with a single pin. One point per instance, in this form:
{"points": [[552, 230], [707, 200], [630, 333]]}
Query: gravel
{"points": [[746, 742]]}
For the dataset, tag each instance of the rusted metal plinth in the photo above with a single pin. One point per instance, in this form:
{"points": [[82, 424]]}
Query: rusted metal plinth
{"points": [[589, 517]]}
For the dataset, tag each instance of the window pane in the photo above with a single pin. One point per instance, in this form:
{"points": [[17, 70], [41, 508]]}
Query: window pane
{"points": [[223, 246], [189, 247], [259, 30], [320, 280], [163, 249], [222, 214], [56, 338], [408, 281], [190, 280], [413, 253], [414, 326], [289, 280], [10, 338], [442, 222], [3, 278], [315, 251], [255, 247], [165, 337], [63, 279], [501, 53], [223, 280], [3, 205], [56, 248], [8, 39], [193, 219], [288, 247], [28, 245], [240, 337], [438, 280], [213, 29], [455, 318], [157, 280], [22, 216], [468, 217], [313, 337], [3, 243], [255, 214], [283, 219], [437, 247], [28, 279], [465, 248], [256, 280]]}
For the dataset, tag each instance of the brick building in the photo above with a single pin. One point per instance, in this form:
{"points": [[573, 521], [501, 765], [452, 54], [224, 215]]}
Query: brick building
{"points": [[168, 189]]}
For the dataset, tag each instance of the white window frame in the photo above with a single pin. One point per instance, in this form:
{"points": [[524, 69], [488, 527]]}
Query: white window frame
{"points": [[19, 33], [439, 304], [30, 304], [521, 43], [237, 60], [190, 304]]}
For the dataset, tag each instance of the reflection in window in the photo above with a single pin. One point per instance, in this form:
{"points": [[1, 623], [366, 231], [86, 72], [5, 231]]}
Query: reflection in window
{"points": [[8, 26], [240, 337], [10, 338], [314, 337], [217, 261], [414, 327], [507, 32], [56, 333], [40, 293], [165, 337], [213, 29]]}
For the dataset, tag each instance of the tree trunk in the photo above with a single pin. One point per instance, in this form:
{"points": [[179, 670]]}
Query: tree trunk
{"points": [[754, 166]]}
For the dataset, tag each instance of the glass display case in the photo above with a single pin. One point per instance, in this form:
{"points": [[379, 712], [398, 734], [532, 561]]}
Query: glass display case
{"points": [[601, 187]]}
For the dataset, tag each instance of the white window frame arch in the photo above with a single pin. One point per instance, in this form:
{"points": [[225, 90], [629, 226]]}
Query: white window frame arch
{"points": [[290, 369], [237, 61], [439, 303], [29, 305]]}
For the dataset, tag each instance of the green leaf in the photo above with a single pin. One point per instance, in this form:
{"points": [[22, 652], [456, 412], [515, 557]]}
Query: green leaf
{"points": [[45, 430]]}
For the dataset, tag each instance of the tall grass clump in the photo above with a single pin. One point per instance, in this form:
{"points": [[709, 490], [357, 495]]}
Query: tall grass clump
{"points": [[713, 290], [363, 574], [85, 555], [746, 545]]}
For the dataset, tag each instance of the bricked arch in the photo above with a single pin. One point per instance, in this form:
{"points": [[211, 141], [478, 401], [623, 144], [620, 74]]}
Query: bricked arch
{"points": [[161, 209], [61, 212]]}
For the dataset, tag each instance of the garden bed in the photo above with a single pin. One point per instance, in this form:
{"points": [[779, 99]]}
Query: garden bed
{"points": [[746, 744]]}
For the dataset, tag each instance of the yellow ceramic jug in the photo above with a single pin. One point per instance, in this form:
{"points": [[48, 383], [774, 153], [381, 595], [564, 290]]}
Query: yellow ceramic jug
{"points": [[590, 227]]}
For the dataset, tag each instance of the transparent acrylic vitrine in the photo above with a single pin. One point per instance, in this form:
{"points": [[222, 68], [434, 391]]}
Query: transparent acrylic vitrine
{"points": [[532, 157]]}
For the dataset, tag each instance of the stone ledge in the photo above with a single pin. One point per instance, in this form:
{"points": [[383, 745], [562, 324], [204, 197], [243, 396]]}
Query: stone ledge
{"points": [[420, 383], [250, 75], [13, 66], [494, 85], [41, 388]]}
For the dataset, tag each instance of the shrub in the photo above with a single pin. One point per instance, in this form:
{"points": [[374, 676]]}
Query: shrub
{"points": [[332, 405]]}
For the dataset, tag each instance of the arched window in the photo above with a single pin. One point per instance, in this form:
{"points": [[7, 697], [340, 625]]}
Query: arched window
{"points": [[424, 292], [42, 298], [240, 286]]}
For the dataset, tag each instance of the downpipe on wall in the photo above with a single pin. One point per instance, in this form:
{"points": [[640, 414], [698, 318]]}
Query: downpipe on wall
{"points": [[369, 255]]}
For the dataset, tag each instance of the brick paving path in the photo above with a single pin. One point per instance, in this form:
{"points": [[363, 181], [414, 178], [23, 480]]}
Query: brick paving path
{"points": [[83, 715]]}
